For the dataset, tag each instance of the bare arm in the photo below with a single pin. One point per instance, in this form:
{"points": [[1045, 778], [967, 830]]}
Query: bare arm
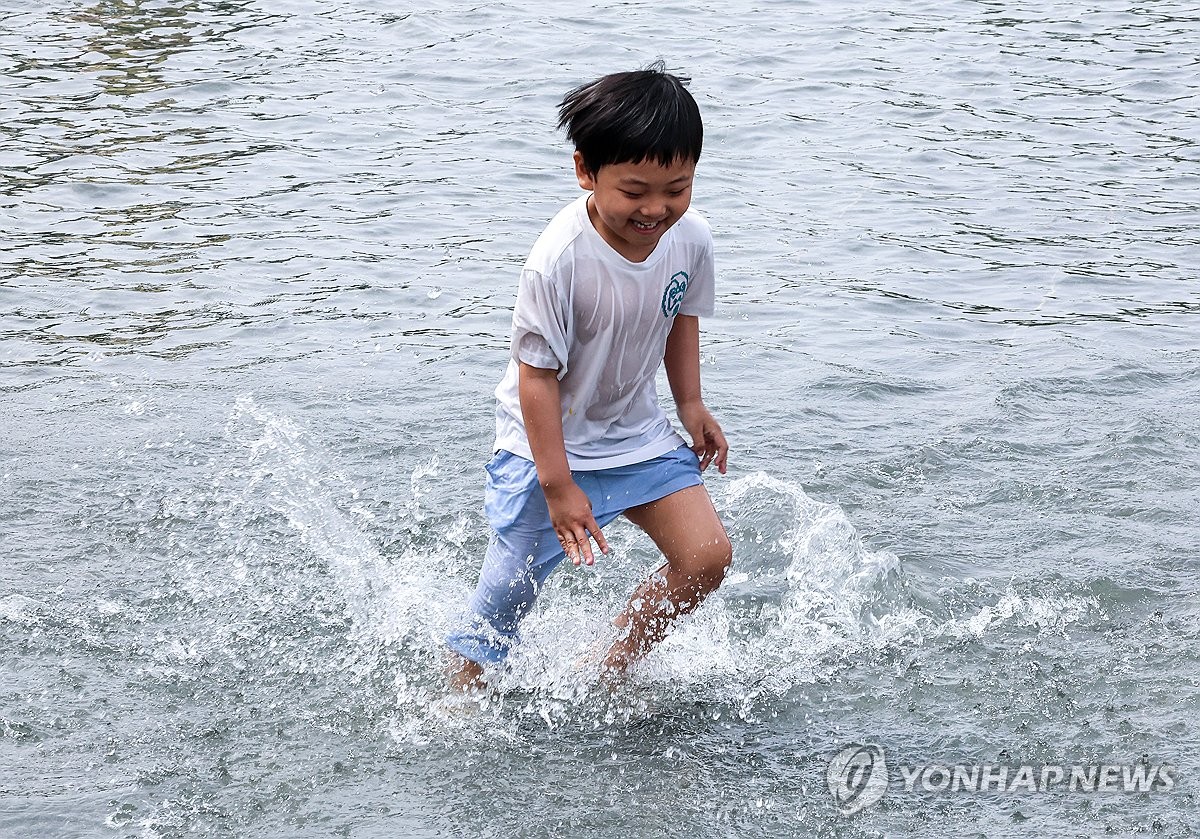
{"points": [[682, 360], [570, 510]]}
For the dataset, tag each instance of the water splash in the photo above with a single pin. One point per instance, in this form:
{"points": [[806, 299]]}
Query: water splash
{"points": [[806, 598], [1051, 615], [401, 598]]}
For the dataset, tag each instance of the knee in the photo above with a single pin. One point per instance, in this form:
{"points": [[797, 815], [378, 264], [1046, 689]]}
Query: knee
{"points": [[503, 600], [715, 563]]}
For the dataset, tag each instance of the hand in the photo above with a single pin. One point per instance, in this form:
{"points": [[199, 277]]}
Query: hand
{"points": [[572, 520], [708, 441]]}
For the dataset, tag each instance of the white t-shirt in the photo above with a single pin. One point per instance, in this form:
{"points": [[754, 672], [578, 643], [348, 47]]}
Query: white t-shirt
{"points": [[602, 322]]}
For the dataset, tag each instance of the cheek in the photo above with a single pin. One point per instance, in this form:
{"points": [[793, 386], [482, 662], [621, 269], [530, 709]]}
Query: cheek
{"points": [[624, 210], [618, 212]]}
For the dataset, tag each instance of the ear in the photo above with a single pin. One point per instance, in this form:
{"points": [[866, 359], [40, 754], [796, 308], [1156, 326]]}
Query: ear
{"points": [[586, 179]]}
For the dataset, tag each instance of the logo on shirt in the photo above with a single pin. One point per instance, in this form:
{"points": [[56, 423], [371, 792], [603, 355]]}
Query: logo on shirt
{"points": [[673, 295]]}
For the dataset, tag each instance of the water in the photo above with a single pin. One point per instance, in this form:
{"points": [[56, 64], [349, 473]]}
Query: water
{"points": [[257, 266]]}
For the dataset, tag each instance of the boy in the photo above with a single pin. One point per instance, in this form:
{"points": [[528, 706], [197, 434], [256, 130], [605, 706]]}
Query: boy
{"points": [[615, 284]]}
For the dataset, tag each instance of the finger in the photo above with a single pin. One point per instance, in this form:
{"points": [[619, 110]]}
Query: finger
{"points": [[569, 547], [585, 546], [601, 542], [574, 546], [722, 452], [710, 450], [719, 449]]}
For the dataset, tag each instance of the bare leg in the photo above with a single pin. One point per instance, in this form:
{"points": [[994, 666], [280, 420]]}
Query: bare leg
{"points": [[685, 527], [465, 675]]}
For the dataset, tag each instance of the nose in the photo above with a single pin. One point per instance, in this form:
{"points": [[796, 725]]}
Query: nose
{"points": [[654, 210]]}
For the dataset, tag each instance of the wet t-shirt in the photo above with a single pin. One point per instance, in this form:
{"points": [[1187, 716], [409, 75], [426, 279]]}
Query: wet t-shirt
{"points": [[602, 322]]}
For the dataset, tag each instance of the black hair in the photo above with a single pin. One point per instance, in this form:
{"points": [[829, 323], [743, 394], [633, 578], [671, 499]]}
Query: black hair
{"points": [[630, 117]]}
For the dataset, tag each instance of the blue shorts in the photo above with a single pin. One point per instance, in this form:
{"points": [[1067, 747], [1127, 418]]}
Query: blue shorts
{"points": [[524, 548]]}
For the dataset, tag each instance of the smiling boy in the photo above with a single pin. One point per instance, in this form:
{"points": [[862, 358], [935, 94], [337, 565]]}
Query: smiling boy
{"points": [[614, 285]]}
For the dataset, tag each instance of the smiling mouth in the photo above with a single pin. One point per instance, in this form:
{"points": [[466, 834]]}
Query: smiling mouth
{"points": [[645, 227]]}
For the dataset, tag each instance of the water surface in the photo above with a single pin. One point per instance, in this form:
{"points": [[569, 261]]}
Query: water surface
{"points": [[257, 267]]}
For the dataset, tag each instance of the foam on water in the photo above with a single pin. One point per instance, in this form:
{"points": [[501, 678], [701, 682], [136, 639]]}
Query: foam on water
{"points": [[20, 609], [1046, 614]]}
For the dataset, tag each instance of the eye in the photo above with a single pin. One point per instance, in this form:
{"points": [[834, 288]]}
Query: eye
{"points": [[628, 194], [677, 192]]}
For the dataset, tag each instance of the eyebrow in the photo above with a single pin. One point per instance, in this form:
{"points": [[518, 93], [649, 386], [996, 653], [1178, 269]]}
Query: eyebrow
{"points": [[639, 182]]}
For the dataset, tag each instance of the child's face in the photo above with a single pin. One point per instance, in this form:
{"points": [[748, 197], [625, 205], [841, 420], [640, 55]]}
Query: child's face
{"points": [[634, 204]]}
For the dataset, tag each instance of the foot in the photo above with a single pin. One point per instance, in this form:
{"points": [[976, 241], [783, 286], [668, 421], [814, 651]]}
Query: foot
{"points": [[465, 676], [613, 679]]}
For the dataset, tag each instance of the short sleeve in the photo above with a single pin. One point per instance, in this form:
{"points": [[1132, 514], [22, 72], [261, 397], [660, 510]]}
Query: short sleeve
{"points": [[539, 336], [700, 296]]}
